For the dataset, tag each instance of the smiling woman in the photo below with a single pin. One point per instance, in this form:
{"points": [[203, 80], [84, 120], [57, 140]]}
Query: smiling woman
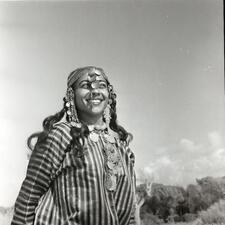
{"points": [[81, 168]]}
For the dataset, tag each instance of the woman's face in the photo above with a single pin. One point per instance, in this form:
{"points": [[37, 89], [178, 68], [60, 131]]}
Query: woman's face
{"points": [[91, 95]]}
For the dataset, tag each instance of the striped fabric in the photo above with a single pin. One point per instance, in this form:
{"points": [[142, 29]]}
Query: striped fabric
{"points": [[63, 189]]}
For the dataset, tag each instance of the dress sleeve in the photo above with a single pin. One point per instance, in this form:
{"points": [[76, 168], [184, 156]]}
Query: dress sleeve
{"points": [[43, 164]]}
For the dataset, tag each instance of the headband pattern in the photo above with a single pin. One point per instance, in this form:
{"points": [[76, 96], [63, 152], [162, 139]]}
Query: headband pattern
{"points": [[90, 70]]}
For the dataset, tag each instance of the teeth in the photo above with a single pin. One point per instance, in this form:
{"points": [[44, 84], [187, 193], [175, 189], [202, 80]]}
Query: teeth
{"points": [[95, 101]]}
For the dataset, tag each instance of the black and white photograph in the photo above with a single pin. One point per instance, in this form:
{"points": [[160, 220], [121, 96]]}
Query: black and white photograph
{"points": [[112, 112]]}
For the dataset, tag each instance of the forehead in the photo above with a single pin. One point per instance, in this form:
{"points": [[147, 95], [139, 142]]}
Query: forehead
{"points": [[89, 76]]}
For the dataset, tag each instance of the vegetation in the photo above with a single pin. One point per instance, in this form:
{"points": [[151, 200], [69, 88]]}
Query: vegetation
{"points": [[215, 214], [172, 204]]}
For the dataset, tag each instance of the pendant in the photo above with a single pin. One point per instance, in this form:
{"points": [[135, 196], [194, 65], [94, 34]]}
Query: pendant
{"points": [[109, 138], [94, 137], [110, 165], [110, 182], [109, 147]]}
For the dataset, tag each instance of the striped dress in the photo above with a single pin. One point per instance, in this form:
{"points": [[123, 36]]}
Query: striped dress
{"points": [[63, 189]]}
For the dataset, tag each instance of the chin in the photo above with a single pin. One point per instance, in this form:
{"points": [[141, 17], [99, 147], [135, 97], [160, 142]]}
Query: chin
{"points": [[97, 111]]}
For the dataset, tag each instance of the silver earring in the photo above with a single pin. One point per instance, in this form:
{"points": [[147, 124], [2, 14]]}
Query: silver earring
{"points": [[71, 108]]}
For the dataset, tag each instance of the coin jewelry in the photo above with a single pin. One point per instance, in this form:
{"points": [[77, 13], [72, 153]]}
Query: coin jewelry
{"points": [[71, 109], [113, 165], [94, 136], [95, 131], [107, 115]]}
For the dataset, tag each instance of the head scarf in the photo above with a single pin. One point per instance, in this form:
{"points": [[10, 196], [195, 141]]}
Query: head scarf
{"points": [[76, 74]]}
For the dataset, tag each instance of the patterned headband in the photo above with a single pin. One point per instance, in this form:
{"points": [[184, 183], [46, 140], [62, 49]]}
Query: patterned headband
{"points": [[76, 74]]}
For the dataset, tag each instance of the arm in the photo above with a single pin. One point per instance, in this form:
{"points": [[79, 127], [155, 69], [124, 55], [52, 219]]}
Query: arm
{"points": [[44, 162]]}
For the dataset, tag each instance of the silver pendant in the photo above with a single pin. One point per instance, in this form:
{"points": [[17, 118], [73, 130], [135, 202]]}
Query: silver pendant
{"points": [[110, 182], [111, 165], [94, 137], [109, 138]]}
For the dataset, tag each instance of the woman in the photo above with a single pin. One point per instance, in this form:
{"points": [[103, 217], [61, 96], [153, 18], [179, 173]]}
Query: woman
{"points": [[81, 169]]}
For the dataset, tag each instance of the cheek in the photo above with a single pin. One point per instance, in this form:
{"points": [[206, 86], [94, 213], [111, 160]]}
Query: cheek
{"points": [[80, 93], [106, 94], [79, 96]]}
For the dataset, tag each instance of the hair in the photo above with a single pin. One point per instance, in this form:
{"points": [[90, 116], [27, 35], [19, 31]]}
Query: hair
{"points": [[123, 134], [78, 134]]}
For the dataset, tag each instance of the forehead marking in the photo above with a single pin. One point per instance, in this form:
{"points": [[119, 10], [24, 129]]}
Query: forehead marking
{"points": [[92, 76]]}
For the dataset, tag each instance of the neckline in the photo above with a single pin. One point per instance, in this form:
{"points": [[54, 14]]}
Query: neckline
{"points": [[97, 127]]}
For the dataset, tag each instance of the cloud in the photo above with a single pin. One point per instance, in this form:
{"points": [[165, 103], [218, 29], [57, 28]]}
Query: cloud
{"points": [[183, 163], [189, 145], [215, 139], [219, 153]]}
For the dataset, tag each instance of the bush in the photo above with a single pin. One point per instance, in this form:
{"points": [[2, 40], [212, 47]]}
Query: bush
{"points": [[189, 217], [215, 214], [181, 223], [150, 219]]}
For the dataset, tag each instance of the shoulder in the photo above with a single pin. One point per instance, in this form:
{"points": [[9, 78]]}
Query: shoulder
{"points": [[126, 143], [125, 146], [63, 127], [116, 136], [52, 148], [60, 133]]}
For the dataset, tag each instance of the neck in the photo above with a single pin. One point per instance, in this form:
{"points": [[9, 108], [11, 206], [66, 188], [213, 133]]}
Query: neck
{"points": [[91, 120]]}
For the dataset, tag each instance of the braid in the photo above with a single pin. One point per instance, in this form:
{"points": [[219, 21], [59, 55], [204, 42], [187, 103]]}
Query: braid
{"points": [[47, 126], [123, 134], [78, 135], [77, 143]]}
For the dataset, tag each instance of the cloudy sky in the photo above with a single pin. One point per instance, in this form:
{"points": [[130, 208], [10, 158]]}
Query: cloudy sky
{"points": [[164, 58]]}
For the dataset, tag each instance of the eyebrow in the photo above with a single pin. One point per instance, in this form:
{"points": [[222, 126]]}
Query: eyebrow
{"points": [[84, 81]]}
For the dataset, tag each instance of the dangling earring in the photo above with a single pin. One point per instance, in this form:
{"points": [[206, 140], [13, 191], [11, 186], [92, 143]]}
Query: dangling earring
{"points": [[71, 108], [107, 115]]}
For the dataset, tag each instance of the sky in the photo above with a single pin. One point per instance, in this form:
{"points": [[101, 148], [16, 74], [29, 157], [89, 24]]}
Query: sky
{"points": [[163, 57]]}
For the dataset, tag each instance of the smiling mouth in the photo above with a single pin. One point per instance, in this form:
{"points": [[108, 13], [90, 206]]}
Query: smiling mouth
{"points": [[94, 101]]}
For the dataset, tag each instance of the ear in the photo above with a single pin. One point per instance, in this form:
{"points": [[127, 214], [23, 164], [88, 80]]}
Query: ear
{"points": [[110, 101]]}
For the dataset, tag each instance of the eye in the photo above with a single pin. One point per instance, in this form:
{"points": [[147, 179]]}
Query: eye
{"points": [[102, 84], [84, 85]]}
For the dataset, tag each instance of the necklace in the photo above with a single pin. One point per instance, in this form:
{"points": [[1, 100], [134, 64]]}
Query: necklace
{"points": [[113, 164], [95, 130], [94, 136], [97, 127]]}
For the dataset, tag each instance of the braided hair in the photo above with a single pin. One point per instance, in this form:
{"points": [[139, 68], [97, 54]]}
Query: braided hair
{"points": [[123, 134], [47, 125]]}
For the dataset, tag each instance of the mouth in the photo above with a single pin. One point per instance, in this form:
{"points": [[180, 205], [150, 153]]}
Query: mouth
{"points": [[95, 101]]}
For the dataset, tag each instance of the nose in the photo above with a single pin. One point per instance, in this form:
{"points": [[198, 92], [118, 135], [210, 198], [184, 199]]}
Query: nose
{"points": [[94, 92]]}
